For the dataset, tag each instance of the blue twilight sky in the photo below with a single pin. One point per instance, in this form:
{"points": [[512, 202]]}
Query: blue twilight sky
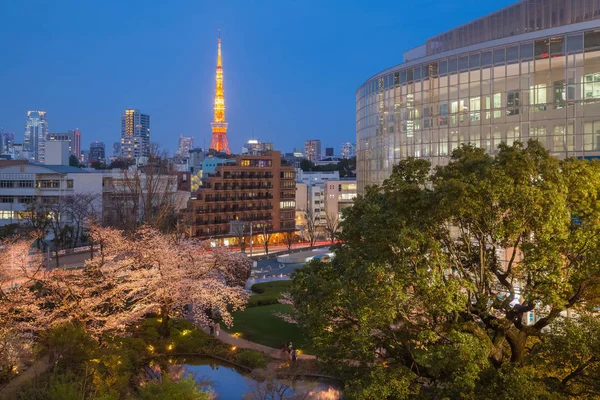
{"points": [[291, 68]]}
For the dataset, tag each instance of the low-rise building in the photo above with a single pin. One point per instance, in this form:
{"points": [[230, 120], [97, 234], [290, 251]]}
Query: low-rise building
{"points": [[23, 183], [256, 189], [339, 195]]}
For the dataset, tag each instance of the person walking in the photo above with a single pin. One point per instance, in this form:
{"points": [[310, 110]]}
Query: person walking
{"points": [[211, 328], [217, 328], [294, 355]]}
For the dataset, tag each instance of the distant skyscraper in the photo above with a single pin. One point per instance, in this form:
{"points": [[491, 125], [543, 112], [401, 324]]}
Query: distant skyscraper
{"points": [[97, 152], [219, 140], [186, 143], [348, 150], [312, 150], [135, 134], [36, 129], [116, 152], [251, 147], [266, 146], [328, 151], [75, 142], [84, 157], [7, 141]]}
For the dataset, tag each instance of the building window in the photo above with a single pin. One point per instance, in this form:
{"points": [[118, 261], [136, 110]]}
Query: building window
{"points": [[24, 184], [443, 116], [48, 184], [475, 107], [592, 41], [559, 94], [6, 199], [287, 204], [512, 103], [7, 214], [591, 86], [70, 184], [497, 105], [537, 95]]}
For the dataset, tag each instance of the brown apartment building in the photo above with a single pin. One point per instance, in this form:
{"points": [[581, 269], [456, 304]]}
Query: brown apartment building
{"points": [[256, 189]]}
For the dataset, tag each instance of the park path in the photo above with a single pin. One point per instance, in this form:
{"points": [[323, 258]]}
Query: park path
{"points": [[246, 344], [10, 391]]}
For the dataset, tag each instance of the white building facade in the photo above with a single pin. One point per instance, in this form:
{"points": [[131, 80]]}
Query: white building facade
{"points": [[22, 183]]}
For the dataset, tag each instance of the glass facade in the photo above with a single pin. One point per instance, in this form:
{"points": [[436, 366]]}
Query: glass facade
{"points": [[544, 85]]}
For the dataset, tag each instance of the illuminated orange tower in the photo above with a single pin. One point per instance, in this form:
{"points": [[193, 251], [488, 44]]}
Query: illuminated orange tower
{"points": [[219, 125]]}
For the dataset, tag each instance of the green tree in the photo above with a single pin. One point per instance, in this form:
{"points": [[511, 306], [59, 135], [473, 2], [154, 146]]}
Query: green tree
{"points": [[167, 389], [454, 277], [74, 162]]}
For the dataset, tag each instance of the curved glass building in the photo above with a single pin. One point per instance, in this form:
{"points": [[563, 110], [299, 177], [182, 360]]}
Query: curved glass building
{"points": [[531, 70]]}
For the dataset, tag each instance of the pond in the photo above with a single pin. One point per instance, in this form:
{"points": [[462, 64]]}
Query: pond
{"points": [[227, 382]]}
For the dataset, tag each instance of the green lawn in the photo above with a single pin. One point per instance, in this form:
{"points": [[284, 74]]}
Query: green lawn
{"points": [[260, 325], [267, 293]]}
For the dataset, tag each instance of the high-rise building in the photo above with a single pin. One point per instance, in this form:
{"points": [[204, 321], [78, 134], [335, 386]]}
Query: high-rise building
{"points": [[348, 150], [116, 149], [254, 146], [135, 134], [36, 129], [186, 143], [251, 147], [312, 150], [528, 71], [266, 146], [75, 135], [84, 157], [7, 141], [328, 151], [219, 140], [97, 152]]}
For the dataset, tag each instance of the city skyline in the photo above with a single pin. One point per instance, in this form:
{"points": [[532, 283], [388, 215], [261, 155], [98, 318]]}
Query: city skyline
{"points": [[269, 67]]}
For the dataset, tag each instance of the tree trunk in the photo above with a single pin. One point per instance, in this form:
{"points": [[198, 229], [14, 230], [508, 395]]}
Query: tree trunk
{"points": [[163, 328], [517, 342]]}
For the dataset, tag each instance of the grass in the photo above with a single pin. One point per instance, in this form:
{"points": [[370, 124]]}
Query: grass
{"points": [[268, 293], [260, 325]]}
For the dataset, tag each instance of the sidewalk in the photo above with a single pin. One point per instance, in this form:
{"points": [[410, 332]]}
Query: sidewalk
{"points": [[246, 344], [11, 390]]}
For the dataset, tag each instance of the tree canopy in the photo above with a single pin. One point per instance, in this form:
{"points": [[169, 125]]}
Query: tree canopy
{"points": [[477, 279]]}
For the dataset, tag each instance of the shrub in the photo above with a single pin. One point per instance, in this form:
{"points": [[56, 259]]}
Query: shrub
{"points": [[167, 389], [278, 286], [267, 293], [251, 358]]}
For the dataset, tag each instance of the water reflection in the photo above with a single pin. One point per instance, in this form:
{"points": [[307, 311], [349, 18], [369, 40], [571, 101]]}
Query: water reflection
{"points": [[225, 382]]}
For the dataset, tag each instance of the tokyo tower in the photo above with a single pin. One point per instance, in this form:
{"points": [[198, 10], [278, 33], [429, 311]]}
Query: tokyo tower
{"points": [[219, 125]]}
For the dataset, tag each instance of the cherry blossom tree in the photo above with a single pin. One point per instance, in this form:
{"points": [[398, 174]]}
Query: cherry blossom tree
{"points": [[20, 266], [187, 278], [149, 272], [132, 276]]}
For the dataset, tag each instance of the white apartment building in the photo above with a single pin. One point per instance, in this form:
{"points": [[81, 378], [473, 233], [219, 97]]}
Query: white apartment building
{"points": [[22, 182], [310, 195], [339, 194]]}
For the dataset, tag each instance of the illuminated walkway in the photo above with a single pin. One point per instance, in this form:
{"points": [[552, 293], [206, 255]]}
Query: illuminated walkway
{"points": [[246, 344]]}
